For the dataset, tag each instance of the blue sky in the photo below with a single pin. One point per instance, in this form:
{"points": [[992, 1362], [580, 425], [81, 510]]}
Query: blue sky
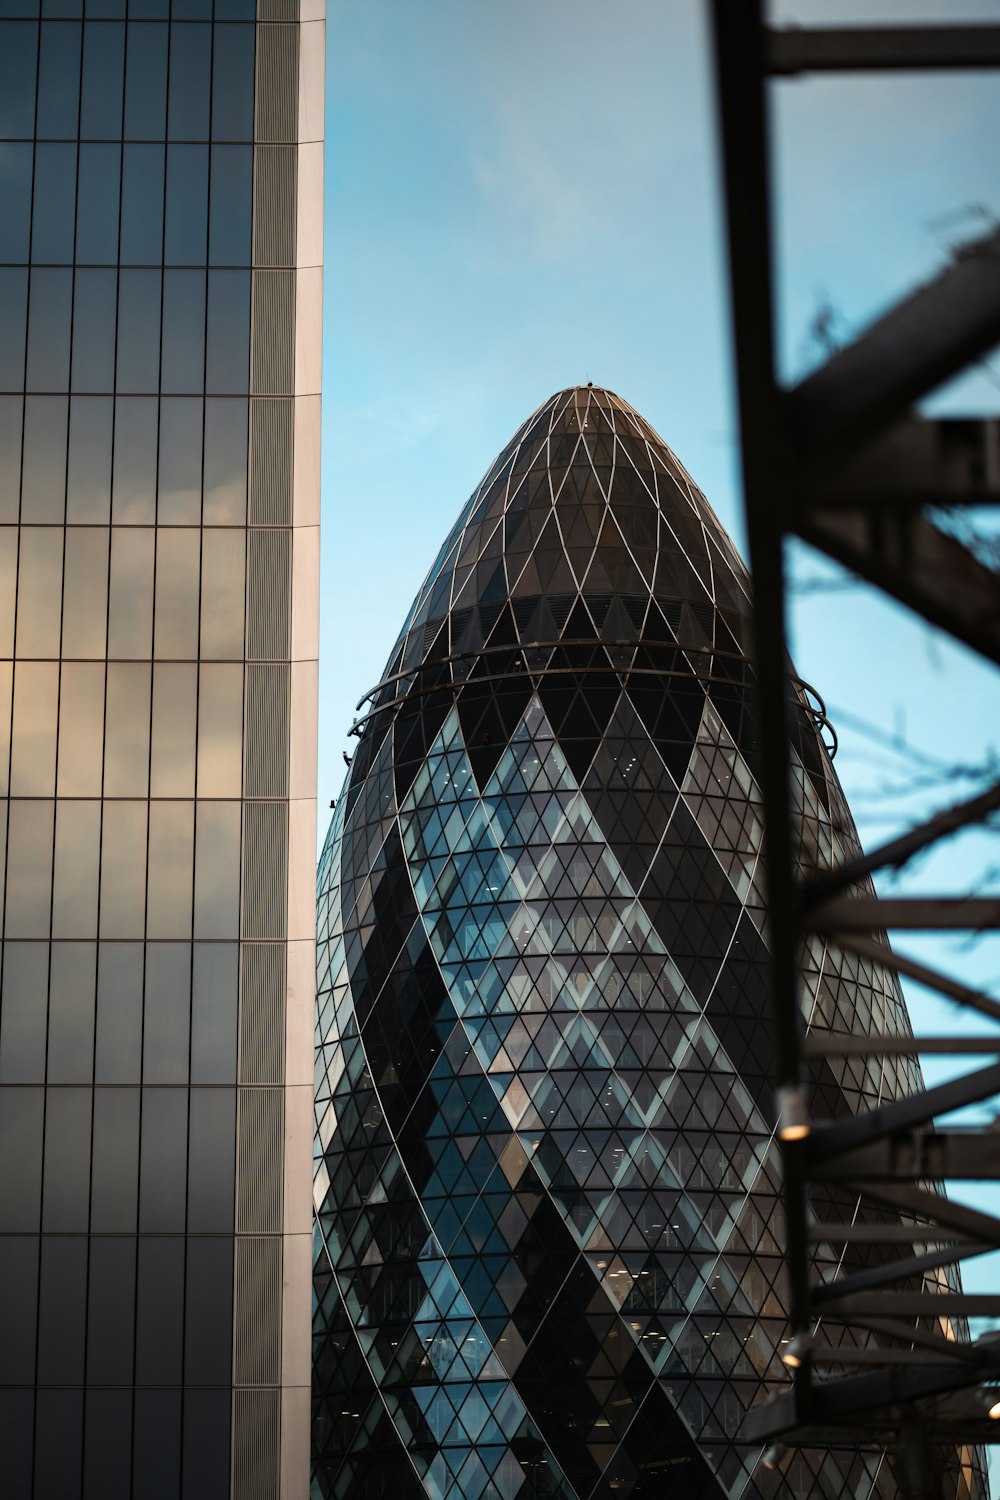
{"points": [[524, 195]]}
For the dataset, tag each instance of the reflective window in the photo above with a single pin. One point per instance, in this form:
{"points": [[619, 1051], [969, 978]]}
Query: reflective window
{"points": [[66, 1179], [50, 309], [214, 995], [81, 729], [111, 1309], [21, 1113], [225, 461], [177, 580], [209, 1303], [15, 201], [103, 81], [107, 1445], [94, 330], [183, 350], [58, 81], [29, 873], [160, 1313], [85, 591], [227, 361], [180, 461], [114, 1192], [62, 1307], [40, 575], [231, 218], [23, 1016], [97, 212], [11, 419], [233, 83], [118, 1046], [6, 699], [8, 587], [217, 870], [33, 738], [135, 461], [17, 79], [207, 1421], [171, 849], [71, 1011], [126, 749], [190, 72], [43, 485], [142, 206], [138, 331], [55, 203], [220, 731], [166, 1022], [163, 1159], [130, 606], [222, 595], [88, 484], [77, 867], [18, 1305], [123, 869], [212, 1159], [146, 83], [17, 1422], [175, 712], [187, 206], [13, 322], [156, 1442]]}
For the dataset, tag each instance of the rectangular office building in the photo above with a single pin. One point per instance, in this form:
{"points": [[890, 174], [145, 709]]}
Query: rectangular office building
{"points": [[160, 276]]}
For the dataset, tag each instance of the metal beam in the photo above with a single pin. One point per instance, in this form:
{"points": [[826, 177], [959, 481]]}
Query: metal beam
{"points": [[916, 1304], [902, 1114], [955, 1216], [868, 947], [824, 1232], [919, 461], [939, 329], [837, 1044], [917, 1156], [885, 1275], [971, 1355], [855, 49], [916, 913]]}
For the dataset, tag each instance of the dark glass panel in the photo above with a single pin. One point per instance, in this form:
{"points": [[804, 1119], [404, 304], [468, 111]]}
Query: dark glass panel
{"points": [[33, 732], [146, 82], [171, 858], [107, 1446], [85, 603], [134, 489], [222, 594], [66, 1180], [49, 329], [58, 1443], [180, 462], [17, 1432], [226, 443], [187, 206], [103, 81], [11, 423], [212, 1168], [15, 202], [207, 1423], [71, 1012], [235, 10], [58, 81], [142, 206], [175, 716], [118, 1049], [191, 10], [13, 321], [163, 1158], [77, 866], [209, 1302], [190, 74], [18, 1304], [138, 331], [81, 729], [54, 204], [233, 83], [18, 64], [63, 8], [177, 582], [24, 1014], [220, 731], [111, 1310], [8, 590], [29, 869], [40, 575], [43, 484], [183, 353], [62, 1308], [123, 866], [217, 870], [214, 998], [153, 10], [88, 481], [6, 699], [130, 606], [126, 747], [231, 217], [94, 331], [156, 1449], [114, 1191], [98, 210], [104, 10], [227, 364], [21, 1112], [167, 1011], [159, 1310]]}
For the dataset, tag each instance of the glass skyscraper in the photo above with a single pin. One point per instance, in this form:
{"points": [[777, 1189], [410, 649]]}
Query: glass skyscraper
{"points": [[160, 255], [549, 1255]]}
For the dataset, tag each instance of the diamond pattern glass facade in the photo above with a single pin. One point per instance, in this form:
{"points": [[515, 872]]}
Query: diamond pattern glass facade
{"points": [[545, 1178]]}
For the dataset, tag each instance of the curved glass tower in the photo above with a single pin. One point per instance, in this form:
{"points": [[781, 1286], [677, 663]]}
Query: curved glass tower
{"points": [[545, 1180]]}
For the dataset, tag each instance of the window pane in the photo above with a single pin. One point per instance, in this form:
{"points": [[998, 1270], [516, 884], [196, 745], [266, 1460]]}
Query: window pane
{"points": [[15, 201], [207, 1421], [142, 206], [183, 367], [94, 330], [58, 81], [156, 1443], [107, 1445], [230, 228], [166, 1021], [227, 367], [146, 83], [17, 79], [17, 1431], [123, 869], [130, 608], [163, 1159], [103, 81], [24, 1015], [58, 1442], [212, 1159], [77, 866], [49, 329], [97, 215], [18, 1309], [223, 585], [138, 331], [71, 1012], [66, 1181], [55, 204], [81, 729], [160, 1310], [43, 487], [220, 731], [111, 1311], [180, 461], [13, 321], [115, 1180], [171, 860], [208, 1340], [225, 461], [8, 587], [190, 52], [85, 596], [62, 1312], [21, 1158], [29, 875], [33, 738], [176, 632], [135, 461], [40, 573], [11, 419], [175, 710], [214, 998], [126, 751], [6, 701], [118, 1050], [232, 83], [89, 480], [217, 870], [187, 206]]}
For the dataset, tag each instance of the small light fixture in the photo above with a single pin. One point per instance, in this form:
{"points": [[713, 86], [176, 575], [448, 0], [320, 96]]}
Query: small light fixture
{"points": [[793, 1116], [991, 1401], [794, 1354], [773, 1456]]}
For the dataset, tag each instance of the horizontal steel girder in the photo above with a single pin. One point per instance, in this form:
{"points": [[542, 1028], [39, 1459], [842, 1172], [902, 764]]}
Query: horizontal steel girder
{"points": [[864, 48]]}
